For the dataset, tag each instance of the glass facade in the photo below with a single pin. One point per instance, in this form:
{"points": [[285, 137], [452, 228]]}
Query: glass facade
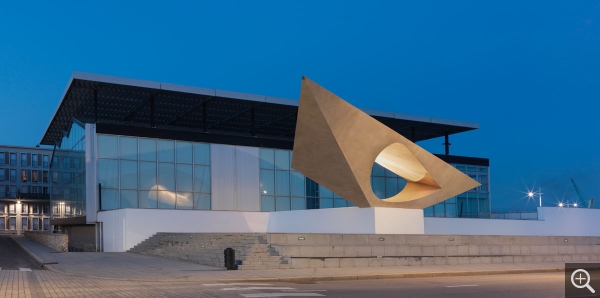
{"points": [[68, 165], [153, 173], [474, 204]]}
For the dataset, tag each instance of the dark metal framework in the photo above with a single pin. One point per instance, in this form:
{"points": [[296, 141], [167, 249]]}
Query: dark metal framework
{"points": [[137, 110]]}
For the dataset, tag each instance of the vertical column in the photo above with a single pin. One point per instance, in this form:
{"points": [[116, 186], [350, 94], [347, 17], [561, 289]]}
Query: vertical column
{"points": [[447, 143]]}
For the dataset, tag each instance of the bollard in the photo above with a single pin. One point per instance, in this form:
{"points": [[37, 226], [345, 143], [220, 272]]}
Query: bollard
{"points": [[230, 259]]}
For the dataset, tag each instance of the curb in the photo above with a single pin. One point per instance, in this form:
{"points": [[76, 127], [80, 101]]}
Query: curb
{"points": [[44, 265]]}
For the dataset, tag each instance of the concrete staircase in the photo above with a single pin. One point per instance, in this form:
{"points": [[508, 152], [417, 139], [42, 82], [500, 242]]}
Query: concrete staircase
{"points": [[284, 251], [207, 249]]}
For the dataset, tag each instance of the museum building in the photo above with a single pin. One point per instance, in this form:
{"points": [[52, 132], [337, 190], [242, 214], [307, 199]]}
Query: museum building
{"points": [[150, 145]]}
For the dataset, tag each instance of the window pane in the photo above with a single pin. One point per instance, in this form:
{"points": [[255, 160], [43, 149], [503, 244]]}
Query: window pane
{"points": [[451, 200], [428, 211], [110, 199], [128, 148], [166, 151], [450, 210], [297, 184], [147, 175], [148, 199], [473, 206], [298, 203], [202, 178], [267, 182], [202, 201], [438, 210], [166, 199], [129, 174], [282, 181], [107, 146], [461, 206], [378, 185], [337, 203], [267, 203], [324, 192], [184, 152], [108, 174], [391, 187], [283, 203], [147, 149], [282, 159], [129, 199], [267, 158], [184, 178], [201, 154], [377, 170], [185, 200], [326, 203], [166, 176]]}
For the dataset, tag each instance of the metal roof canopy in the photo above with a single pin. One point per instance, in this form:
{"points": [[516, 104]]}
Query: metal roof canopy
{"points": [[129, 103]]}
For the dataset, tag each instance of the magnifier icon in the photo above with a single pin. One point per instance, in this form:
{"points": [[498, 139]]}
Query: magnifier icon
{"points": [[580, 282]]}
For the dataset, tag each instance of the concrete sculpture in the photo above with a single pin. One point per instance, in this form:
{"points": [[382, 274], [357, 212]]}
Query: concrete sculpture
{"points": [[336, 145]]}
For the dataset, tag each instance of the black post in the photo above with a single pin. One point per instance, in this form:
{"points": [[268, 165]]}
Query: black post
{"points": [[95, 105], [447, 143], [100, 195], [230, 258], [252, 115], [204, 117], [412, 134], [152, 112]]}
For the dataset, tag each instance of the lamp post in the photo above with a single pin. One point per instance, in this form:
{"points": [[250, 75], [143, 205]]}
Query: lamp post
{"points": [[532, 194]]}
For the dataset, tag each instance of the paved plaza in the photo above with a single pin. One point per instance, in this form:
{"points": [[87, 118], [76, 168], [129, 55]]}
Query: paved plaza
{"points": [[131, 275]]}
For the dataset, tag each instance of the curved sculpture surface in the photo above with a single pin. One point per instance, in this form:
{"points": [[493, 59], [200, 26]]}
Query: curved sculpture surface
{"points": [[336, 145]]}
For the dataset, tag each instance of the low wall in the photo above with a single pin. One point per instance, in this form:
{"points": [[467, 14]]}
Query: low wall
{"points": [[58, 242]]}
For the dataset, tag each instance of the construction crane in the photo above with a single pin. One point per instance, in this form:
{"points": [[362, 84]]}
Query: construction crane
{"points": [[590, 201]]}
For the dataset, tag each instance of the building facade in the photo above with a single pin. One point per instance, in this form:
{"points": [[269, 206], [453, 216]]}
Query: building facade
{"points": [[130, 144], [25, 186]]}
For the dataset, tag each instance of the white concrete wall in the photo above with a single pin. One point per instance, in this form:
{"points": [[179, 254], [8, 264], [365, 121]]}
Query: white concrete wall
{"points": [[125, 228], [247, 173], [552, 222]]}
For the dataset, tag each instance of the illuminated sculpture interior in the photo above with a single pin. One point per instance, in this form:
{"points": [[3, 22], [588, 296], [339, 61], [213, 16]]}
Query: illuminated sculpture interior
{"points": [[336, 145]]}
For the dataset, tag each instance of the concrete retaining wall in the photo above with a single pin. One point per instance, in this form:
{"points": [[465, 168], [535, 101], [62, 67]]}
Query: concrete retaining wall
{"points": [[58, 242]]}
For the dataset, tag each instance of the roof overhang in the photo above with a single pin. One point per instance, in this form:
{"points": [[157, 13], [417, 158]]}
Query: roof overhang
{"points": [[137, 103]]}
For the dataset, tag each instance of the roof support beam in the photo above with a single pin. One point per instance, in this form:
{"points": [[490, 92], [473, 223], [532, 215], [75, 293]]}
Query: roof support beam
{"points": [[187, 112], [139, 107]]}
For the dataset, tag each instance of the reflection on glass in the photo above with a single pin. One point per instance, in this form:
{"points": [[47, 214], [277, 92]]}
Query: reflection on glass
{"points": [[166, 151], [185, 200], [147, 149], [337, 203], [129, 199], [184, 178], [148, 199], [201, 154], [108, 174], [282, 181], [282, 159], [129, 174], [283, 203], [267, 203], [184, 152], [107, 146], [298, 203], [267, 182], [128, 148], [147, 175], [326, 203], [267, 158], [110, 199], [298, 187], [166, 175], [166, 199], [202, 178], [202, 201]]}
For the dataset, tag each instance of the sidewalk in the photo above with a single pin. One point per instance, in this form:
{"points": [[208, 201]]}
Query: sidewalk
{"points": [[133, 267]]}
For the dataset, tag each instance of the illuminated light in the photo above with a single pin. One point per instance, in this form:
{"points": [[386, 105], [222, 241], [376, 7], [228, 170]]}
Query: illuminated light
{"points": [[530, 194], [560, 204], [264, 191], [575, 205]]}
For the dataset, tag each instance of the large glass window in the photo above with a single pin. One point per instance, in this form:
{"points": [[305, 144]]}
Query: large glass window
{"points": [[154, 173]]}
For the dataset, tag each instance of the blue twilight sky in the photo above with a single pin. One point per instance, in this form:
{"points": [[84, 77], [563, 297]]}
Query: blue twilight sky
{"points": [[527, 71]]}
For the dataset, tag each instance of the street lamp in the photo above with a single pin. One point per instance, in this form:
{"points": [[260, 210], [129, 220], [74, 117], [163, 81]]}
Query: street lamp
{"points": [[532, 194]]}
